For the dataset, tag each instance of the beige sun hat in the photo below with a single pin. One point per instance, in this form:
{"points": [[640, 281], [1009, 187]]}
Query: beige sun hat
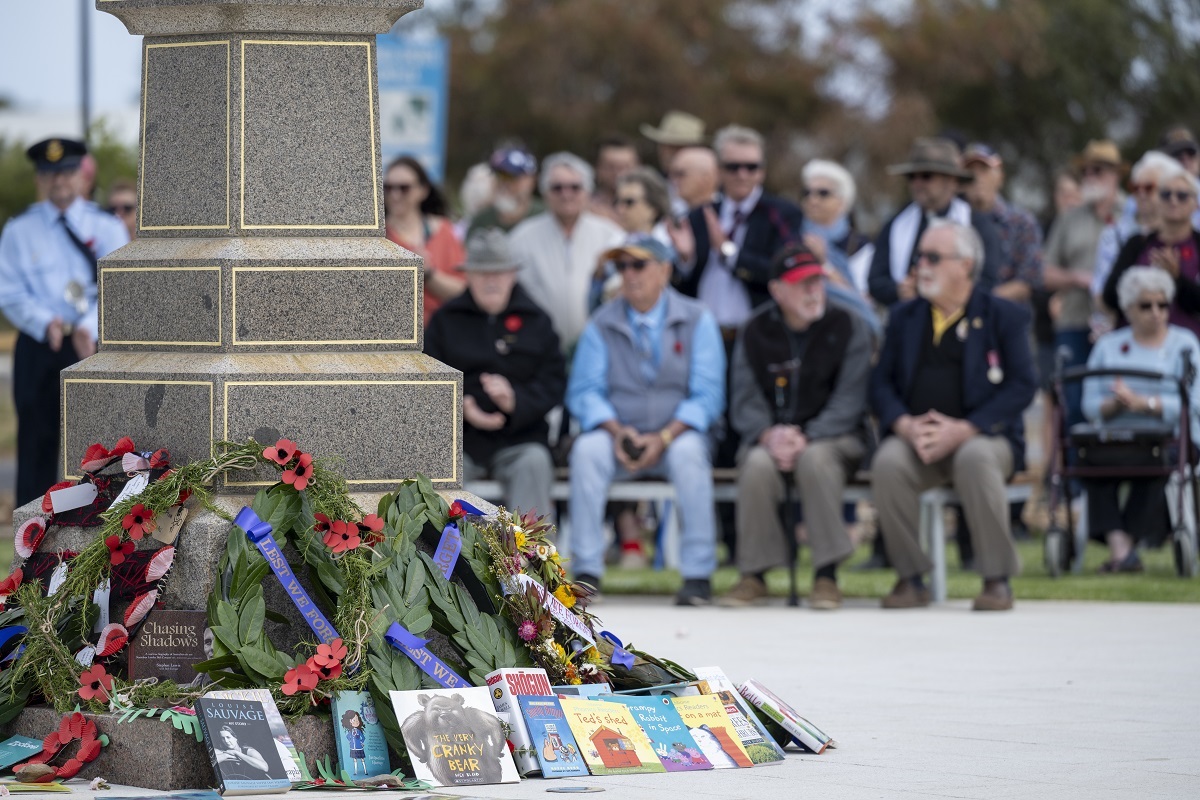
{"points": [[678, 128]]}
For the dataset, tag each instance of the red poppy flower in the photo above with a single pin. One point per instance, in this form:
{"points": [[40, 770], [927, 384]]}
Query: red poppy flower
{"points": [[139, 521], [329, 672], [321, 525], [48, 506], [333, 653], [456, 510], [678, 347], [118, 551], [283, 452], [300, 678], [299, 475], [372, 528], [342, 536], [513, 323], [160, 459], [97, 455], [1125, 348], [10, 584], [95, 683]]}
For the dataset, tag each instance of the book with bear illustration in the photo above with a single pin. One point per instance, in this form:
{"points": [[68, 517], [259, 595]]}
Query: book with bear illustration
{"points": [[454, 737]]}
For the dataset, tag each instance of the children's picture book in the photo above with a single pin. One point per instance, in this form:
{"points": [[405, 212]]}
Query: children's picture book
{"points": [[712, 729], [288, 753], [54, 787], [554, 747], [241, 747], [672, 742], [759, 742], [454, 736], [682, 689], [16, 749], [362, 749], [609, 737], [804, 732], [506, 685], [584, 690]]}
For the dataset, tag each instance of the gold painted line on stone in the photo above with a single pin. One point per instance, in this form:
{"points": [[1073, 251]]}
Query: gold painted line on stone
{"points": [[66, 381], [242, 147], [454, 415], [237, 341], [228, 166], [220, 303]]}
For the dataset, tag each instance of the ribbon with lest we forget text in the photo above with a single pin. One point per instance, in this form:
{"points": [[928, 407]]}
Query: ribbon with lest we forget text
{"points": [[259, 533], [450, 545]]}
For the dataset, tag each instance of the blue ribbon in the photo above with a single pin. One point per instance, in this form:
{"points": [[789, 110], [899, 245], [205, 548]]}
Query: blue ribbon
{"points": [[620, 656], [259, 533], [7, 635], [414, 647], [450, 545]]}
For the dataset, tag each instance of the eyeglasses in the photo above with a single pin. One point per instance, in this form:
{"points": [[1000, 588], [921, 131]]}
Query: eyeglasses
{"points": [[560, 188], [122, 208], [921, 176], [933, 257], [741, 166], [1185, 153], [824, 194], [628, 202], [1161, 305], [1166, 195], [624, 265], [402, 188], [1142, 189]]}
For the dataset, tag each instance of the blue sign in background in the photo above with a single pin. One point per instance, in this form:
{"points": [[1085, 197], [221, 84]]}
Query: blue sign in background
{"points": [[413, 99]]}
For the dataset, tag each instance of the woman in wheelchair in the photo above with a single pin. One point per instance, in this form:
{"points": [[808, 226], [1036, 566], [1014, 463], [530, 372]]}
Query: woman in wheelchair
{"points": [[1148, 344]]}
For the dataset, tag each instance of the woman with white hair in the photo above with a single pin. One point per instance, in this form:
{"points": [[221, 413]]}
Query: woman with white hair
{"points": [[1150, 343], [1140, 215], [1174, 246]]}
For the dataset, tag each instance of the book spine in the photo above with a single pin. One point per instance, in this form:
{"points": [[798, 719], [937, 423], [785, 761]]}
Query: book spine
{"points": [[208, 745], [798, 732], [509, 710]]}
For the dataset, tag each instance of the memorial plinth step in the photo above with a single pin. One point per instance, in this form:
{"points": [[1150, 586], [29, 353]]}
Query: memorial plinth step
{"points": [[168, 17]]}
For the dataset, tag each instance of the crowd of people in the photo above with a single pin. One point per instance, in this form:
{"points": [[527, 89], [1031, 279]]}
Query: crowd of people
{"points": [[630, 321]]}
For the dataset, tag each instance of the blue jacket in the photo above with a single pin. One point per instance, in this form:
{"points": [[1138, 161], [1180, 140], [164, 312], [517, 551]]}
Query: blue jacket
{"points": [[994, 326]]}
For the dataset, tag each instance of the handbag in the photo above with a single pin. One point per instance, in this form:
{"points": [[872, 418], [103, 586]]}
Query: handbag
{"points": [[1149, 444]]}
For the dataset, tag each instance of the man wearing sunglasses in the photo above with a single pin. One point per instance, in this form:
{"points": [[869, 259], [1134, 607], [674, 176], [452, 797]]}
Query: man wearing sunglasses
{"points": [[952, 381], [934, 172], [647, 383]]}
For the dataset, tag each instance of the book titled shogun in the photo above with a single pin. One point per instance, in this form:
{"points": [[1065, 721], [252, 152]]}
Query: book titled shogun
{"points": [[506, 685], [241, 747], [806, 734], [284, 745]]}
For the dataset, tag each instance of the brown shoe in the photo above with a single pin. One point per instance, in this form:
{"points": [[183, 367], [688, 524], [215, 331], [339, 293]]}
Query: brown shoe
{"points": [[996, 596], [749, 591], [905, 595], [825, 595]]}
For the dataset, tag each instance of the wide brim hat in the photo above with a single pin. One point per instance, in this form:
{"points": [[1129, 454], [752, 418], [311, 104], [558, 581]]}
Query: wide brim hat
{"points": [[1102, 151], [677, 129], [488, 251], [936, 155]]}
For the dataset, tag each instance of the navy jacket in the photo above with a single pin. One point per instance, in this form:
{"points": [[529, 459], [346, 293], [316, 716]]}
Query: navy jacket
{"points": [[993, 326], [773, 223]]}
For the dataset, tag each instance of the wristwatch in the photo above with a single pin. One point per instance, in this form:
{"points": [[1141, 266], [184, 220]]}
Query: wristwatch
{"points": [[729, 251]]}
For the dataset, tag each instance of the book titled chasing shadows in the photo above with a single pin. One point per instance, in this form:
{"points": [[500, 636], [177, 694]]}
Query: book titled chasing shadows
{"points": [[238, 737]]}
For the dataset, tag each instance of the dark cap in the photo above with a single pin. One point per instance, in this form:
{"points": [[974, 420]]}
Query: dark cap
{"points": [[1179, 141], [640, 245], [795, 263], [980, 153], [513, 161], [488, 251], [57, 155]]}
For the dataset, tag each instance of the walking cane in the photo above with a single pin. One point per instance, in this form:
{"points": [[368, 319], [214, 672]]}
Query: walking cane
{"points": [[782, 373]]}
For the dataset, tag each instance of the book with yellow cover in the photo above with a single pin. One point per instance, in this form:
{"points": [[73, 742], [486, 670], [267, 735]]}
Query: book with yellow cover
{"points": [[714, 732], [609, 738]]}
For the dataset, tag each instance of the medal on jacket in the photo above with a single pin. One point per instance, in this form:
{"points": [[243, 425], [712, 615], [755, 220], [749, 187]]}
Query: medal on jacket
{"points": [[502, 346], [74, 295], [994, 373], [961, 330]]}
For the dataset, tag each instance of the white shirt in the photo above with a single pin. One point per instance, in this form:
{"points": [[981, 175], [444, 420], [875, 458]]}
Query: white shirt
{"points": [[725, 295], [557, 270], [38, 261]]}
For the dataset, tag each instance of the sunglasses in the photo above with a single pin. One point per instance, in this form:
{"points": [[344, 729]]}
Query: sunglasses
{"points": [[628, 202], [560, 188], [1166, 195], [933, 257], [402, 188], [1142, 189], [1150, 306], [921, 176], [1096, 169], [122, 208], [623, 265], [741, 166], [824, 194]]}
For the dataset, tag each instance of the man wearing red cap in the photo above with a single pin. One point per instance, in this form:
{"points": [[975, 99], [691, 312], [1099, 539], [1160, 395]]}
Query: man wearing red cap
{"points": [[798, 400]]}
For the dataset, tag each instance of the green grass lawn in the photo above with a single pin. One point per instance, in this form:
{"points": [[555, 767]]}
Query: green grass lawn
{"points": [[1157, 584]]}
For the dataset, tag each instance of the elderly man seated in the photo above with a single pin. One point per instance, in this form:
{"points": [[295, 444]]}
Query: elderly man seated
{"points": [[647, 382], [799, 396], [513, 373], [953, 378]]}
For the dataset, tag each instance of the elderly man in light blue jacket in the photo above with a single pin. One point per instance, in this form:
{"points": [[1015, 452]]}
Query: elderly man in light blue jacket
{"points": [[647, 383]]}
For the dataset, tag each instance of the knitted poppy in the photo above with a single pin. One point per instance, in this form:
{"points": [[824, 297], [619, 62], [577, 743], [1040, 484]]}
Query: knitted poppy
{"points": [[299, 475], [283, 452], [118, 551], [139, 521], [95, 683]]}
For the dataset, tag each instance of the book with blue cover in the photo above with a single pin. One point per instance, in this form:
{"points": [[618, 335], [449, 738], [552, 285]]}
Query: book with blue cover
{"points": [[361, 746], [16, 749], [672, 742], [553, 743]]}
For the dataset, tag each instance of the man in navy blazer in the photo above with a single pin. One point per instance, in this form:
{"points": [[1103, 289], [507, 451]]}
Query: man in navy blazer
{"points": [[954, 377]]}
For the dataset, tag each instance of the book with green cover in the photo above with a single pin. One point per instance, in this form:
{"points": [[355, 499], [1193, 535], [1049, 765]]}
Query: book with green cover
{"points": [[362, 749], [672, 742], [16, 749]]}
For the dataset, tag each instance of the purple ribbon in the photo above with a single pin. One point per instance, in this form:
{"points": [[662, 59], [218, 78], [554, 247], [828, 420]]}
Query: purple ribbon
{"points": [[259, 533], [620, 656], [450, 545], [414, 647], [7, 635]]}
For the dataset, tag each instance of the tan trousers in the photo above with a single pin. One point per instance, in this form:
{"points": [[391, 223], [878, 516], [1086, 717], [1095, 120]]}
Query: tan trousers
{"points": [[821, 474], [978, 470]]}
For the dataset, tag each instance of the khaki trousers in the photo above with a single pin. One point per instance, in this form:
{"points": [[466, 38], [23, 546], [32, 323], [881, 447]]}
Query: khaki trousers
{"points": [[978, 470], [821, 474]]}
